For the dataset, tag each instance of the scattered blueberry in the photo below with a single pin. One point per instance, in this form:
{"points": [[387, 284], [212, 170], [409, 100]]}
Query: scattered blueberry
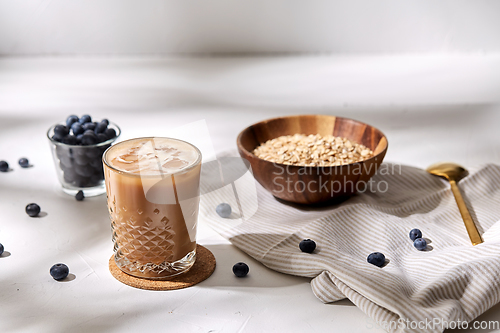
{"points": [[24, 163], [110, 133], [307, 246], [59, 271], [240, 269], [85, 119], [79, 196], [224, 210], [420, 244], [71, 120], [70, 139], [1, 249], [100, 128], [4, 166], [88, 126], [61, 131], [32, 209], [77, 129], [376, 258], [415, 233]]}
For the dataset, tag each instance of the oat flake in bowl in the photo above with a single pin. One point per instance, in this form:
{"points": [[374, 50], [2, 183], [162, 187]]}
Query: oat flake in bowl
{"points": [[312, 150]]}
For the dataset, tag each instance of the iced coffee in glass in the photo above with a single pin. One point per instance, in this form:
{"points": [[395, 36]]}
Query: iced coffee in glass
{"points": [[153, 188]]}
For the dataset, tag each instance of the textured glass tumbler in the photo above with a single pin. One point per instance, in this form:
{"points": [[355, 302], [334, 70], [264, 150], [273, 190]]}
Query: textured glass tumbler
{"points": [[153, 216]]}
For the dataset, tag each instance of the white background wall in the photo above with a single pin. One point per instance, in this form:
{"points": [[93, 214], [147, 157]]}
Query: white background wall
{"points": [[73, 27]]}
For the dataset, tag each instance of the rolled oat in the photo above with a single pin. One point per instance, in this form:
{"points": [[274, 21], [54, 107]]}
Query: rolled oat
{"points": [[312, 150]]}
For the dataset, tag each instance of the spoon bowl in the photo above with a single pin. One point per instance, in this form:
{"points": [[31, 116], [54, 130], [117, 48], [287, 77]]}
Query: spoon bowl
{"points": [[450, 171], [454, 173]]}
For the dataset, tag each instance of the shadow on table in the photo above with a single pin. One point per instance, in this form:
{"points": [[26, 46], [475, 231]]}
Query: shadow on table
{"points": [[259, 276], [402, 184]]}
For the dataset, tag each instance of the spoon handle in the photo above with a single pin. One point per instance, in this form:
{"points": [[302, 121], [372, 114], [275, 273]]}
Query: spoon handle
{"points": [[474, 235]]}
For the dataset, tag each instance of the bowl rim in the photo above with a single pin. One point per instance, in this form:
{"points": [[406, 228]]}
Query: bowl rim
{"points": [[251, 155]]}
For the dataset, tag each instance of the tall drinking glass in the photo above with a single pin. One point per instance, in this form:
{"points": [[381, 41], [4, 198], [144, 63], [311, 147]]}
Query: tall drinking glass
{"points": [[153, 188]]}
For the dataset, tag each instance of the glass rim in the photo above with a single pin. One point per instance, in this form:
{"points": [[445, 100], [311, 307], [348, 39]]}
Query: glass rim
{"points": [[100, 144], [183, 170]]}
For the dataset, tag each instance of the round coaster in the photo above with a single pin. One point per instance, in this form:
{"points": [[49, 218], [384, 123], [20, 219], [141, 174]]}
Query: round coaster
{"points": [[203, 267]]}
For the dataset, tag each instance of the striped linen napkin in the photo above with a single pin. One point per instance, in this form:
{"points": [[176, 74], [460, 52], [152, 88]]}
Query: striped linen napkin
{"points": [[450, 282]]}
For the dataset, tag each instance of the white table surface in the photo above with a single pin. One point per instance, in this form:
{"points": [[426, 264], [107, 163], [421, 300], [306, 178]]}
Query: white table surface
{"points": [[431, 108]]}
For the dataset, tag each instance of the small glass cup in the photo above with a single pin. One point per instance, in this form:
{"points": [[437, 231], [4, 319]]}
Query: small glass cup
{"points": [[153, 215], [79, 168]]}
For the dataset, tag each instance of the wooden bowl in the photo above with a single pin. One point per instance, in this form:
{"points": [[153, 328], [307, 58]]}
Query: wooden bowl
{"points": [[306, 184]]}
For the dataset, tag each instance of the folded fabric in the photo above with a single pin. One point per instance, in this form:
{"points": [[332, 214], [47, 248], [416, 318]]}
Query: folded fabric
{"points": [[449, 282]]}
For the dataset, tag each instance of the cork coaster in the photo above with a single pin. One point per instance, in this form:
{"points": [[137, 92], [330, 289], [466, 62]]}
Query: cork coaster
{"points": [[203, 267]]}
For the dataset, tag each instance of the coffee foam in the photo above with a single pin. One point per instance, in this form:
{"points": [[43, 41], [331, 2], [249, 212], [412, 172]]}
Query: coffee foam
{"points": [[152, 156]]}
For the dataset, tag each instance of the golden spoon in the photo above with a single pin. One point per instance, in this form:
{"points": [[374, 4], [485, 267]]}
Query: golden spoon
{"points": [[453, 173]]}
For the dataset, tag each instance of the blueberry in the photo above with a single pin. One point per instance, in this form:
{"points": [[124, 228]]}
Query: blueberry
{"points": [[307, 246], [100, 128], [376, 258], [61, 131], [420, 244], [24, 163], [105, 121], [415, 233], [57, 138], [66, 162], [101, 137], [32, 209], [99, 171], [4, 166], [77, 129], [79, 138], [110, 133], [89, 132], [83, 170], [224, 210], [61, 151], [70, 140], [89, 139], [88, 126], [96, 179], [59, 271], [82, 181], [240, 269], [85, 119], [96, 163], [71, 120], [69, 176], [79, 196], [81, 159], [1, 249], [93, 152]]}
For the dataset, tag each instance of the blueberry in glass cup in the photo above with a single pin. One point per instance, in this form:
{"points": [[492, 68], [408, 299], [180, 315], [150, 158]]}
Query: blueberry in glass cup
{"points": [[77, 149]]}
